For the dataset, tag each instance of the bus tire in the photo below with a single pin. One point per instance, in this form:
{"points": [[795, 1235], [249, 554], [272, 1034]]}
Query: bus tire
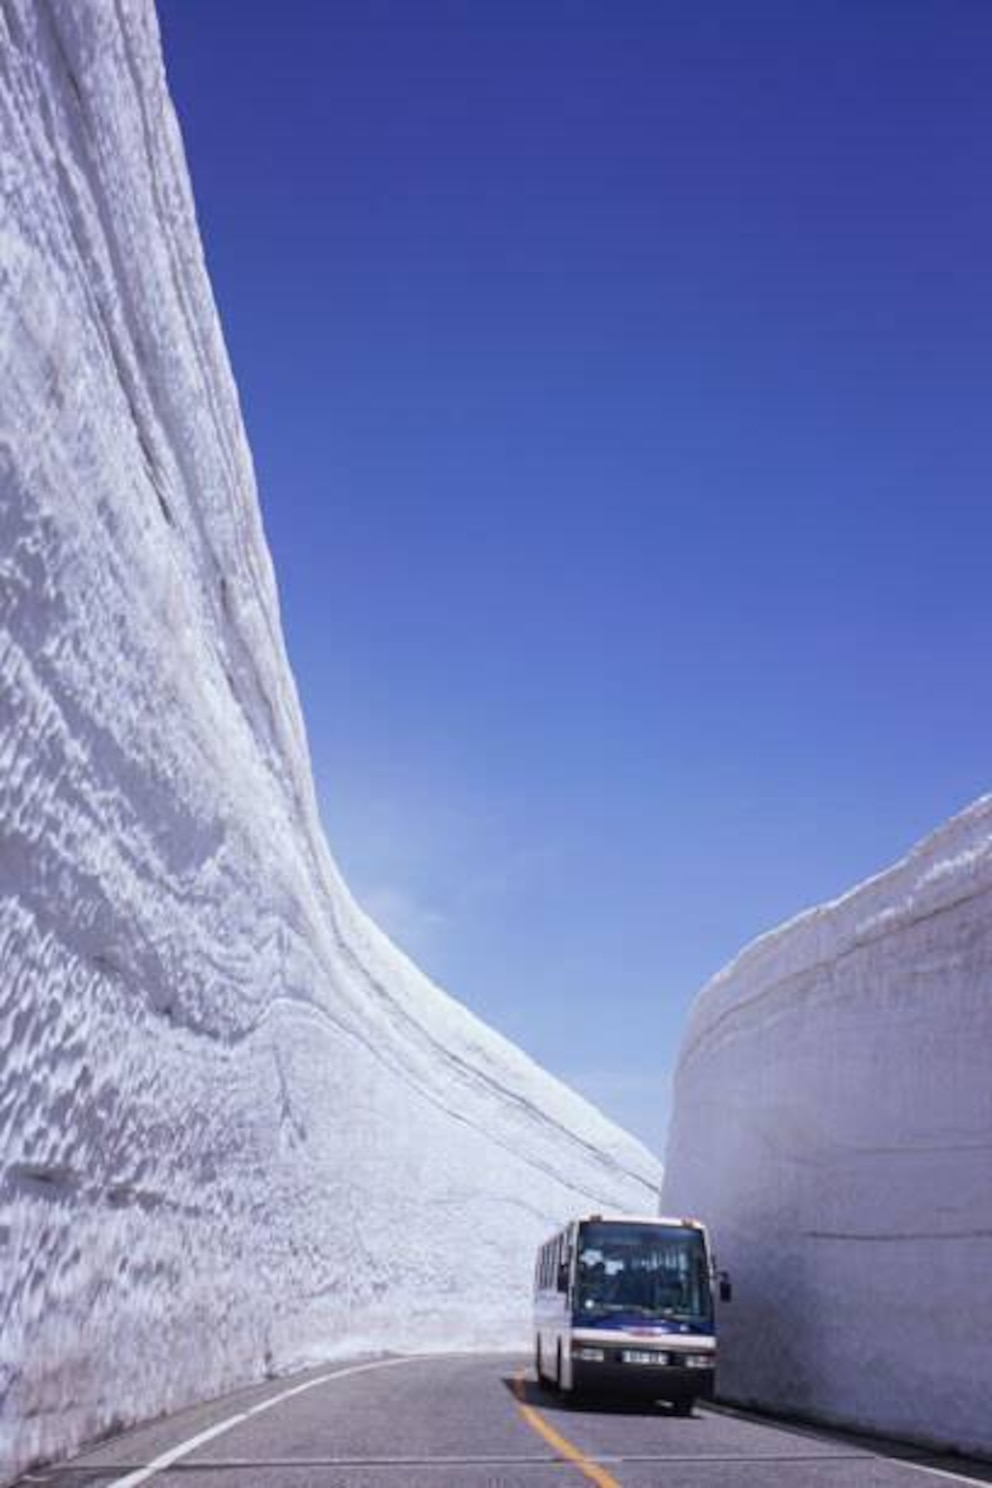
{"points": [[538, 1369], [558, 1383], [684, 1405]]}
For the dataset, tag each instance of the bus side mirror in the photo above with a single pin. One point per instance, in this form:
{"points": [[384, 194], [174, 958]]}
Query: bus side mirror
{"points": [[726, 1289]]}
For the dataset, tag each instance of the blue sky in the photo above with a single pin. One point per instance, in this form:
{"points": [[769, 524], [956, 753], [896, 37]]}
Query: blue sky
{"points": [[618, 378]]}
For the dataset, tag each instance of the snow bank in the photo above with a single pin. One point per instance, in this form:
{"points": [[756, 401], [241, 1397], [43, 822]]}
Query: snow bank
{"points": [[238, 1128], [833, 1121]]}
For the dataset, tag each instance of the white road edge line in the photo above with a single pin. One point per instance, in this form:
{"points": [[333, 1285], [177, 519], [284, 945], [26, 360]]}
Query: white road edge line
{"points": [[166, 1459], [934, 1472]]}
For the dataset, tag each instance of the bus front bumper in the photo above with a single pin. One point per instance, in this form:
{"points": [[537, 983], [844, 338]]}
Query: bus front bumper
{"points": [[616, 1375]]}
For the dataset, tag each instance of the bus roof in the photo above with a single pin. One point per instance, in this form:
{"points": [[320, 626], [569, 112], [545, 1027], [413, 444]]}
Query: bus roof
{"points": [[672, 1221], [679, 1221]]}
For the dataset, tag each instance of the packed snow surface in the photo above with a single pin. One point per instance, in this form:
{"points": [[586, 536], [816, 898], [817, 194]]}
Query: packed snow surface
{"points": [[833, 1122], [238, 1128]]}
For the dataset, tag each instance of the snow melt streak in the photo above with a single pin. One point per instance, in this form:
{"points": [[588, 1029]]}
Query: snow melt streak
{"points": [[238, 1128], [833, 1120]]}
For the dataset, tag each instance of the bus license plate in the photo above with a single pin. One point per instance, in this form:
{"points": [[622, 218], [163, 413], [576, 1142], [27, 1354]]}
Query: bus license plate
{"points": [[642, 1356]]}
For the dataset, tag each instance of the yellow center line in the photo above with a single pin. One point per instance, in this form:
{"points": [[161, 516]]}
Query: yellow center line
{"points": [[561, 1444]]}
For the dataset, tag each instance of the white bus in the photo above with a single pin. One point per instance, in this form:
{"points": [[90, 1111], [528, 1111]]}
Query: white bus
{"points": [[626, 1305]]}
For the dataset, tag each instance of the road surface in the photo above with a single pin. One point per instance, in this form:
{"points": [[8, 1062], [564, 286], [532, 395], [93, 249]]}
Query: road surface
{"points": [[460, 1421]]}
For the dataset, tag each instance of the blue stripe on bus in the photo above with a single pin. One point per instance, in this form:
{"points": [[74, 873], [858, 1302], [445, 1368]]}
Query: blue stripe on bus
{"points": [[632, 1322]]}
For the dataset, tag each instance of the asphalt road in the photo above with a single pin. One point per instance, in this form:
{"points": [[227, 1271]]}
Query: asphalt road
{"points": [[462, 1421]]}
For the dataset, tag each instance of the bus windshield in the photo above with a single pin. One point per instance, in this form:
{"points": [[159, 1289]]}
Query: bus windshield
{"points": [[653, 1271]]}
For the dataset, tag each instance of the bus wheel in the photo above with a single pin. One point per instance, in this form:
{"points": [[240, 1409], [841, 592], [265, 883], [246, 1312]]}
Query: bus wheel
{"points": [[537, 1358], [558, 1384], [683, 1406]]}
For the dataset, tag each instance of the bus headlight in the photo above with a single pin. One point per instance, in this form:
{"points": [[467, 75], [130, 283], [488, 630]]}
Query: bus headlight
{"points": [[594, 1355]]}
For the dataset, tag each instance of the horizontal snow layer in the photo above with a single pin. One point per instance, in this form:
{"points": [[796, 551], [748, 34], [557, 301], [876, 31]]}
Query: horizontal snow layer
{"points": [[833, 1121], [238, 1128]]}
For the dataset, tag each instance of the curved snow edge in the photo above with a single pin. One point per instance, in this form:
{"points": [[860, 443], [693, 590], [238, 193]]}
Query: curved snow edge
{"points": [[237, 1126], [945, 868]]}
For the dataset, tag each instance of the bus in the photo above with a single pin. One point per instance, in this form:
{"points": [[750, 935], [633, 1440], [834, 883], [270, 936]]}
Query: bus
{"points": [[625, 1305]]}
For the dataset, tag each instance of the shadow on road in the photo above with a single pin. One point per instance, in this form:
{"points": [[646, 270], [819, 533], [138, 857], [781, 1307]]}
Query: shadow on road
{"points": [[949, 1464], [545, 1398]]}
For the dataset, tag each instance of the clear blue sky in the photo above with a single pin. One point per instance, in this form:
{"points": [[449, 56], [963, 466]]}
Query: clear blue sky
{"points": [[618, 377]]}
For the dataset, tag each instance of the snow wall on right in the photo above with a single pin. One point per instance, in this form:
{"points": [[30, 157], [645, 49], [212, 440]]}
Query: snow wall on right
{"points": [[832, 1122]]}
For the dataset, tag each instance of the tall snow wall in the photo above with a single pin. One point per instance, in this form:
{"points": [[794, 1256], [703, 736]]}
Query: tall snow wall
{"points": [[833, 1122], [238, 1128]]}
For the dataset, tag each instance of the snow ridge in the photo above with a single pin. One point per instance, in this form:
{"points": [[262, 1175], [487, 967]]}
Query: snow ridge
{"points": [[238, 1128], [833, 1120]]}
